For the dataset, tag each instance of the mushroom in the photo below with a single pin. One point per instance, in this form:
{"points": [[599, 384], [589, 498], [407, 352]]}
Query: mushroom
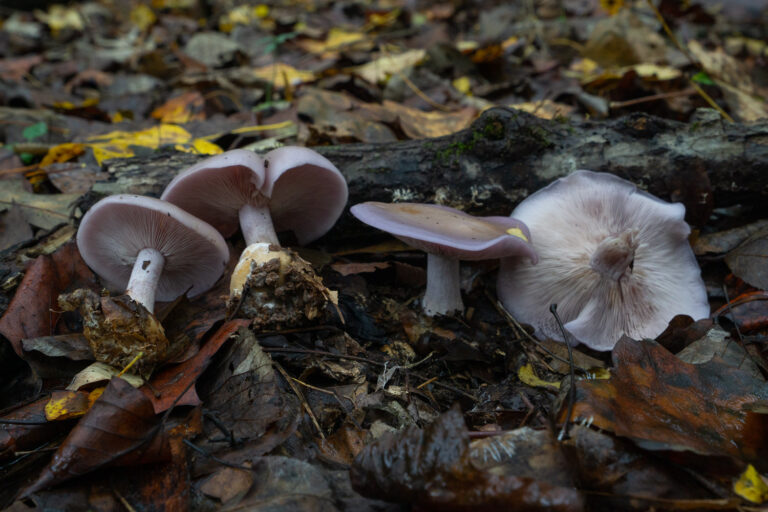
{"points": [[615, 260], [151, 248], [291, 189], [447, 235]]}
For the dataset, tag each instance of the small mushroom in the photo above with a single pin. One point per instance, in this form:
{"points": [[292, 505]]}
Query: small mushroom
{"points": [[291, 189], [151, 248], [447, 235], [615, 260]]}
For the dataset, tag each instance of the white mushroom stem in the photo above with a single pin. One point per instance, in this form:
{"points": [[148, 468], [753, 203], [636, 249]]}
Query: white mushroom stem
{"points": [[614, 255], [443, 293], [145, 275], [256, 225]]}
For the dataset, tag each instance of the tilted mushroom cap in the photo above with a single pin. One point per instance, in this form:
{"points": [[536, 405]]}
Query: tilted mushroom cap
{"points": [[307, 192], [614, 259], [117, 228], [215, 189], [449, 232]]}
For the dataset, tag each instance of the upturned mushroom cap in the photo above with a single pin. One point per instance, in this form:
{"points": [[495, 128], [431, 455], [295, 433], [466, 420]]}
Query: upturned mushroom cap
{"points": [[307, 192], [117, 228], [615, 260], [215, 189], [449, 232]]}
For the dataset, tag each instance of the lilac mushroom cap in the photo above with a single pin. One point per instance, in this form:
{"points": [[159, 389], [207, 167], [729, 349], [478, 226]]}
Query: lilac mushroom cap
{"points": [[615, 260], [448, 235], [292, 188], [150, 247], [215, 189], [307, 192]]}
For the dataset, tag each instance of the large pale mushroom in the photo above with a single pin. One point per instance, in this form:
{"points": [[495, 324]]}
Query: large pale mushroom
{"points": [[615, 260]]}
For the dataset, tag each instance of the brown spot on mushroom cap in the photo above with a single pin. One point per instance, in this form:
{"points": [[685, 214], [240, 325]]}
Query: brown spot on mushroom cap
{"points": [[598, 301], [117, 228]]}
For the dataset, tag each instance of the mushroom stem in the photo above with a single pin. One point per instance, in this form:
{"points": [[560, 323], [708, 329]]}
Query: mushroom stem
{"points": [[614, 256], [443, 293], [144, 277], [256, 224]]}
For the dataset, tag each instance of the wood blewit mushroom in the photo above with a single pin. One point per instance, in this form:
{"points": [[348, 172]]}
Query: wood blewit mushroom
{"points": [[447, 235], [151, 248], [291, 189], [615, 260]]}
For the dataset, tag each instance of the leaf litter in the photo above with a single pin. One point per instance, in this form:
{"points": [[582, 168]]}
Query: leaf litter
{"points": [[243, 417]]}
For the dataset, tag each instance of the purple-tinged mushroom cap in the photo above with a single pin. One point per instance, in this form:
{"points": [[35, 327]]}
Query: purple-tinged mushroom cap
{"points": [[615, 260], [216, 189], [150, 247], [307, 192], [448, 235]]}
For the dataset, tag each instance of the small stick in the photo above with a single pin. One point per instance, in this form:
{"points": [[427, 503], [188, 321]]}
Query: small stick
{"points": [[572, 391]]}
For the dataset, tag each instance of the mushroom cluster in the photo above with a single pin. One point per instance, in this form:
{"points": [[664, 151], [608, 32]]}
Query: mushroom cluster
{"points": [[289, 189], [448, 235], [159, 249], [615, 260]]}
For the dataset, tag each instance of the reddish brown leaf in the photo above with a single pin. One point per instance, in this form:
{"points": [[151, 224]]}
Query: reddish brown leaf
{"points": [[663, 403], [171, 382], [33, 311], [433, 468], [16, 438], [120, 428]]}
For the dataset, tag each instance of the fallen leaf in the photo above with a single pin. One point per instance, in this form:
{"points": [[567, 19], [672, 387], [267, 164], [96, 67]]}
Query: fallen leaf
{"points": [[432, 467], [44, 211], [751, 486], [662, 403], [380, 69], [14, 228], [121, 426], [19, 438], [282, 75], [33, 311], [749, 261], [174, 384], [181, 109]]}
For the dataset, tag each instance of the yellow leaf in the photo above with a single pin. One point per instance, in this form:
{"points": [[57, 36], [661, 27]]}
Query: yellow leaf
{"points": [[380, 69], [103, 152], [181, 109], [611, 6], [200, 146], [63, 153], [528, 376], [143, 16], [656, 72], [282, 75], [462, 85], [60, 18], [751, 486], [64, 405]]}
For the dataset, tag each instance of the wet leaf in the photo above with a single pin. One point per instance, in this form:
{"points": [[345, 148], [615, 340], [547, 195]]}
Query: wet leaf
{"points": [[121, 426], [749, 260], [18, 438], [244, 394], [432, 468], [662, 403], [41, 210], [173, 385], [14, 228], [33, 312], [181, 109]]}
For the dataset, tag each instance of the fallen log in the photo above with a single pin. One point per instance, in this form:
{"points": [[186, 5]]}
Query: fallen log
{"points": [[506, 154]]}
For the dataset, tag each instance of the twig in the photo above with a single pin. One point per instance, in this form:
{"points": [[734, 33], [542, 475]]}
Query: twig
{"points": [[572, 390], [300, 396]]}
